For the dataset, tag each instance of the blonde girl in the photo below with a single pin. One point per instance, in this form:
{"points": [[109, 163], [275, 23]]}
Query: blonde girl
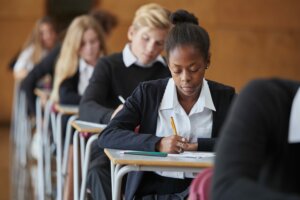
{"points": [[83, 45], [42, 39]]}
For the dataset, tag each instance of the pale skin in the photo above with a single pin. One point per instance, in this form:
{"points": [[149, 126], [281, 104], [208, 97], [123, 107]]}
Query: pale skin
{"points": [[90, 47], [48, 38], [187, 67], [20, 75], [89, 51], [146, 44]]}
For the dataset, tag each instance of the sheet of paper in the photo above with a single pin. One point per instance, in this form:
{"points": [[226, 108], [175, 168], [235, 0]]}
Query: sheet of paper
{"points": [[144, 153], [193, 154]]}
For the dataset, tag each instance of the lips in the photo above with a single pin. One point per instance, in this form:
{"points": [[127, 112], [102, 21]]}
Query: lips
{"points": [[187, 88], [147, 56]]}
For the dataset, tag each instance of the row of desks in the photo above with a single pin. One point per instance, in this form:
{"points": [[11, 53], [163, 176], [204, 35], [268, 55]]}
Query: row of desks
{"points": [[122, 164]]}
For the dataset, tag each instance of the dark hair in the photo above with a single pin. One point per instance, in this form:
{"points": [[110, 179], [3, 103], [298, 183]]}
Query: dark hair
{"points": [[106, 20], [186, 31]]}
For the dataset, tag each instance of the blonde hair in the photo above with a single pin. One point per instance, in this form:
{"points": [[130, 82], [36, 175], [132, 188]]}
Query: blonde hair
{"points": [[152, 15], [67, 63], [35, 39]]}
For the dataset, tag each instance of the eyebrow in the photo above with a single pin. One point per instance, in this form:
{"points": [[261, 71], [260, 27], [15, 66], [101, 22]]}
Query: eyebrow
{"points": [[190, 65]]}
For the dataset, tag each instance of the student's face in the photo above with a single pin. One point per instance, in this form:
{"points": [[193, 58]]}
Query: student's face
{"points": [[187, 67], [48, 35], [90, 47], [146, 43]]}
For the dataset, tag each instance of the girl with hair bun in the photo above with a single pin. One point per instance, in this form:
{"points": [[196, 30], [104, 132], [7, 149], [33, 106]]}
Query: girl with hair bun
{"points": [[198, 106]]}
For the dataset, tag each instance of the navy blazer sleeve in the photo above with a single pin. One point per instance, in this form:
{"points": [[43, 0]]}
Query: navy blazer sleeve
{"points": [[68, 91], [46, 66], [120, 132], [91, 105], [249, 137], [143, 105]]}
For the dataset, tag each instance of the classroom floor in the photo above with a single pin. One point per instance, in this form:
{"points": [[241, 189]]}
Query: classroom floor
{"points": [[4, 164], [8, 167]]}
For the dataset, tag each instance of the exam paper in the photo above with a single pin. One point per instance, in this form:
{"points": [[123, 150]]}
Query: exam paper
{"points": [[193, 154]]}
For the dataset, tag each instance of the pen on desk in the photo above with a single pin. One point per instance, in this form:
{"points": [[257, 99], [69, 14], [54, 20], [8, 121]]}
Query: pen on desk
{"points": [[173, 126], [121, 99]]}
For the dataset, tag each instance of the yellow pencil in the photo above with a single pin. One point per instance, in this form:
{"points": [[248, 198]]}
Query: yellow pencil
{"points": [[173, 126]]}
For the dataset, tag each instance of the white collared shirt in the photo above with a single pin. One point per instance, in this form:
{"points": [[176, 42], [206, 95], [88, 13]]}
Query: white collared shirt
{"points": [[294, 126], [129, 59], [24, 60], [85, 73], [197, 124]]}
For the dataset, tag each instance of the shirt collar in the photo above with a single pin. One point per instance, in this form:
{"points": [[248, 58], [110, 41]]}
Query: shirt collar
{"points": [[83, 66], [294, 126], [170, 99], [129, 59]]}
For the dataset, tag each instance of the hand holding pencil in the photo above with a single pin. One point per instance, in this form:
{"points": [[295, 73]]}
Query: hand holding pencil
{"points": [[182, 142], [173, 143]]}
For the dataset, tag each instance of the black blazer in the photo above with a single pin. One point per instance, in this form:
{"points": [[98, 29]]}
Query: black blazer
{"points": [[112, 78], [68, 90], [141, 108], [46, 66], [263, 164]]}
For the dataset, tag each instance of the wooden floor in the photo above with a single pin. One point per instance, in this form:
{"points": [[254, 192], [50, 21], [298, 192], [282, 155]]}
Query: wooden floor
{"points": [[4, 164]]}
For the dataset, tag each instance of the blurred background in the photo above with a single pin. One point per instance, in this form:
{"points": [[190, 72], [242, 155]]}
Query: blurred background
{"points": [[250, 39]]}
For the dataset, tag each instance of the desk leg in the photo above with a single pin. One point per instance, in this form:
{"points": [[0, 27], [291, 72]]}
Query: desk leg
{"points": [[116, 170], [41, 154], [58, 157], [47, 146], [85, 165], [112, 174], [75, 165], [67, 145], [82, 150], [24, 135], [120, 171]]}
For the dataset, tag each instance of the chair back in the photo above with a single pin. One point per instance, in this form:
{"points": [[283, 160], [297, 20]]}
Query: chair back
{"points": [[200, 187]]}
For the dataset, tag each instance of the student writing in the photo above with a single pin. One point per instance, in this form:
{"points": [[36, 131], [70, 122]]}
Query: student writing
{"points": [[199, 107], [119, 74]]}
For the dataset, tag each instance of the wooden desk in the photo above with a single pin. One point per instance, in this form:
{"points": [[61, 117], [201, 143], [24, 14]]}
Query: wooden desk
{"points": [[82, 126], [67, 109], [57, 128], [121, 164], [42, 92], [42, 125]]}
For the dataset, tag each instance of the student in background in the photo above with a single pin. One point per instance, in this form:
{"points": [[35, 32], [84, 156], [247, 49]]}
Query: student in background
{"points": [[198, 106], [119, 73], [258, 152], [42, 40], [105, 19], [84, 43]]}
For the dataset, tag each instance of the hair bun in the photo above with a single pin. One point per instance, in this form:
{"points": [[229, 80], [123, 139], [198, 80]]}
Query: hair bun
{"points": [[183, 16]]}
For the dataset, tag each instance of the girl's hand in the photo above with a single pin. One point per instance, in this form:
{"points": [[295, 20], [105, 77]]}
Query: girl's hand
{"points": [[172, 144]]}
